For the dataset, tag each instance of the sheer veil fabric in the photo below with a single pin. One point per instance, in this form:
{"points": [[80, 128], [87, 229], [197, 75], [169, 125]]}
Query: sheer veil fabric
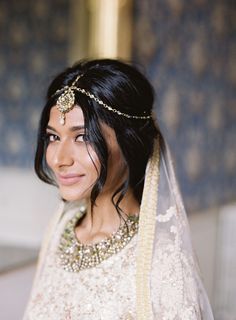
{"points": [[168, 284]]}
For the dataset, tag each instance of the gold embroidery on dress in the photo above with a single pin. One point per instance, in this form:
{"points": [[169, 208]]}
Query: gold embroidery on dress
{"points": [[75, 256]]}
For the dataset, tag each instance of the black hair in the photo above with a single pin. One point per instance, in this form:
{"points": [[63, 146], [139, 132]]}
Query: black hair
{"points": [[126, 89]]}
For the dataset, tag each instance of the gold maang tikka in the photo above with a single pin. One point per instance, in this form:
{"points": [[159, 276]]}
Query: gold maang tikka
{"points": [[66, 102]]}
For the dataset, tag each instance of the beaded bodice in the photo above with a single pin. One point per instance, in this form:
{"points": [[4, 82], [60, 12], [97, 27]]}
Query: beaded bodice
{"points": [[107, 291], [104, 292], [75, 256]]}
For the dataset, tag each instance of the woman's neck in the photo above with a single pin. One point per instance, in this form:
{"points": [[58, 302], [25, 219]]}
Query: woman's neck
{"points": [[104, 220]]}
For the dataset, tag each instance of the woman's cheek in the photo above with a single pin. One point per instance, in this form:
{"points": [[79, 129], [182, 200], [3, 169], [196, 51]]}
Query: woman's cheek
{"points": [[48, 157], [93, 161]]}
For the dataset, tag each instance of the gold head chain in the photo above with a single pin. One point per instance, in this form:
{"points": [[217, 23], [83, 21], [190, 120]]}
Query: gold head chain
{"points": [[66, 102]]}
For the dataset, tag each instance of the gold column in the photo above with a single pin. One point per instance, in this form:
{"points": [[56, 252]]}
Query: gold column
{"points": [[100, 28]]}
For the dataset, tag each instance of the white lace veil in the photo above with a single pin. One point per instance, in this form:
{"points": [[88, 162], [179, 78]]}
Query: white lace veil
{"points": [[168, 285]]}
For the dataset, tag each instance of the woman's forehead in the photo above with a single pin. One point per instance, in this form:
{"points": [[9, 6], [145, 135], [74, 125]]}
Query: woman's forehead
{"points": [[74, 117]]}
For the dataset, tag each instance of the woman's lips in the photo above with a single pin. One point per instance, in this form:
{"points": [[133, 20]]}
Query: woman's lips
{"points": [[69, 179]]}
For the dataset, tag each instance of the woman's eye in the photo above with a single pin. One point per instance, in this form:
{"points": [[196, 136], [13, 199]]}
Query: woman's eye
{"points": [[81, 138], [52, 137]]}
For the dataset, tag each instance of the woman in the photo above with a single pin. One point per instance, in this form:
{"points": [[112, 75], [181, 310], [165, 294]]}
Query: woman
{"points": [[119, 246]]}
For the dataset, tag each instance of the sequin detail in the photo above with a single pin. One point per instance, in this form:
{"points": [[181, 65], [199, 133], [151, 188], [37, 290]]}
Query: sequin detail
{"points": [[75, 256]]}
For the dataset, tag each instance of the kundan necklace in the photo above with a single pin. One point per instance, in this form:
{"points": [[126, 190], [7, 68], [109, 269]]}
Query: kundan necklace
{"points": [[75, 256]]}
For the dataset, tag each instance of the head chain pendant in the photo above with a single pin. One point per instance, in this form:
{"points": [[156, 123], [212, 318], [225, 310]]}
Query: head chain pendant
{"points": [[66, 102]]}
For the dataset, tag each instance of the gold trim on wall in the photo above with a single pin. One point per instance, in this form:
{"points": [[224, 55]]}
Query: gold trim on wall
{"points": [[100, 28]]}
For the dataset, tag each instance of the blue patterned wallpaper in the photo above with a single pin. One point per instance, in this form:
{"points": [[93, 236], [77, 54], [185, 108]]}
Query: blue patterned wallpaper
{"points": [[34, 42], [189, 51]]}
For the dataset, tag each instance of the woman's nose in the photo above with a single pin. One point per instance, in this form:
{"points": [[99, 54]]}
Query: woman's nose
{"points": [[63, 155]]}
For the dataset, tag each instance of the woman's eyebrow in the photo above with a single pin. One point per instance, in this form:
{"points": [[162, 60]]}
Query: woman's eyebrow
{"points": [[51, 128], [72, 129], [76, 128]]}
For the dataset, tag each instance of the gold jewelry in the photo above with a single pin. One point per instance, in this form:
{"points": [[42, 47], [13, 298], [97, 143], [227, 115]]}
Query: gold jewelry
{"points": [[75, 256], [66, 102]]}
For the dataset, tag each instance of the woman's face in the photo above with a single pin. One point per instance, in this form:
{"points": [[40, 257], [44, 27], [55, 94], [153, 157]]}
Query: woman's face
{"points": [[74, 163]]}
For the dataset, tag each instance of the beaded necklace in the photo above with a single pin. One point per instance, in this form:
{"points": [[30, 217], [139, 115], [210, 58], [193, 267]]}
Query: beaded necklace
{"points": [[75, 256]]}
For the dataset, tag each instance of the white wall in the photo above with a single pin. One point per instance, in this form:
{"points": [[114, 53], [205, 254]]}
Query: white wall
{"points": [[214, 239], [26, 205], [203, 227], [15, 289]]}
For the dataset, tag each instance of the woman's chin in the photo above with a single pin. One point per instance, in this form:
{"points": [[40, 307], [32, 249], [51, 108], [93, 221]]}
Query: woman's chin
{"points": [[71, 196]]}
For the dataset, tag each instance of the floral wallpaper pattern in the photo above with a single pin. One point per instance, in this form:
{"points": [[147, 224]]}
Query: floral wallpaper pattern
{"points": [[189, 51], [34, 41]]}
